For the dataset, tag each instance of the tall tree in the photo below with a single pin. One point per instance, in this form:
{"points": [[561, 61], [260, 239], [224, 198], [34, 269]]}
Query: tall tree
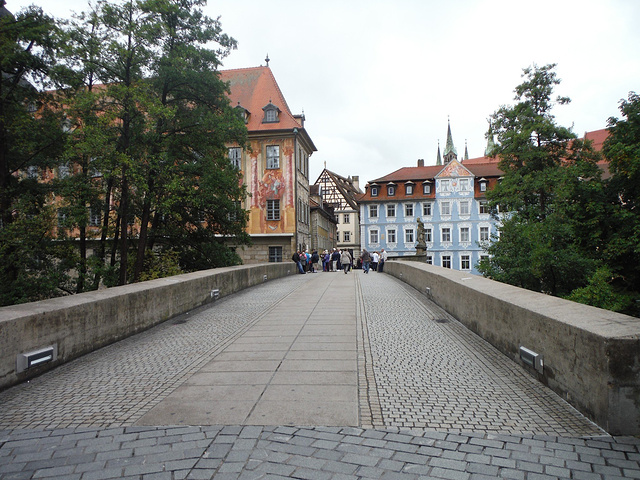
{"points": [[551, 237], [31, 138], [622, 150], [191, 194]]}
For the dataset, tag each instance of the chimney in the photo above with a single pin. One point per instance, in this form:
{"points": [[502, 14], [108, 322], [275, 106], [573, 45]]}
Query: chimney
{"points": [[421, 162], [356, 182]]}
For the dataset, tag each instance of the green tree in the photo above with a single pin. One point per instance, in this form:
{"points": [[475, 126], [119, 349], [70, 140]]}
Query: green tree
{"points": [[32, 266], [622, 150], [164, 110], [552, 236]]}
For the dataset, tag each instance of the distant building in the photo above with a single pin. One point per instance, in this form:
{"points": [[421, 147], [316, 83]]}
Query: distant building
{"points": [[341, 193], [275, 167], [323, 222], [450, 200]]}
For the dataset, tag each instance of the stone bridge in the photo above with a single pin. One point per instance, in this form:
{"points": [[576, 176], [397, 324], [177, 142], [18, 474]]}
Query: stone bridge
{"points": [[269, 374]]}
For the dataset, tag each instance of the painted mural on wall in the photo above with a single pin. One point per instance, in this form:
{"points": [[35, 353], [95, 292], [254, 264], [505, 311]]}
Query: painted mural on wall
{"points": [[270, 184]]}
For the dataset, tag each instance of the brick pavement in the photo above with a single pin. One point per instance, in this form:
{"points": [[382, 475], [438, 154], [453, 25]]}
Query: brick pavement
{"points": [[435, 402]]}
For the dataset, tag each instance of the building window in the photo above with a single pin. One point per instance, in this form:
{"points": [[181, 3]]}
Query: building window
{"points": [[391, 190], [446, 261], [426, 188], [409, 189], [391, 236], [374, 191], [94, 216], [445, 208], [464, 184], [429, 259], [428, 235], [347, 218], [373, 236], [408, 235], [464, 208], [484, 234], [483, 186], [63, 171], [346, 236], [373, 211], [235, 156], [62, 217], [445, 185], [273, 209], [275, 254], [408, 210], [464, 234], [465, 262], [484, 207], [270, 114], [391, 210], [273, 156], [446, 234], [32, 172], [426, 209]]}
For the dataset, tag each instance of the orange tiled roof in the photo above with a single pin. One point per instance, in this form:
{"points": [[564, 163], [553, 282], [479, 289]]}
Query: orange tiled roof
{"points": [[253, 88]]}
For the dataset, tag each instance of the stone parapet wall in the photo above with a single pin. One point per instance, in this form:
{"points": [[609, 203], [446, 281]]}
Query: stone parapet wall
{"points": [[591, 356], [81, 323]]}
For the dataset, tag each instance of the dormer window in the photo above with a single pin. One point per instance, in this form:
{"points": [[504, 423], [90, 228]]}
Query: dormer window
{"points": [[242, 112], [426, 188], [408, 188], [391, 189], [483, 184], [271, 113], [374, 191]]}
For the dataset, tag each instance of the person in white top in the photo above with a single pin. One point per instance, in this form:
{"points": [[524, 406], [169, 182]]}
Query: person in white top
{"points": [[374, 261], [383, 258]]}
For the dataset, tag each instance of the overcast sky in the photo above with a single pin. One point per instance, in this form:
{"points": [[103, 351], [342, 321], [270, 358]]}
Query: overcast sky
{"points": [[377, 80]]}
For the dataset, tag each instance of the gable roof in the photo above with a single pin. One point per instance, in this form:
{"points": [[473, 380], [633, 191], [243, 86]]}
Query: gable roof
{"points": [[344, 186], [253, 89]]}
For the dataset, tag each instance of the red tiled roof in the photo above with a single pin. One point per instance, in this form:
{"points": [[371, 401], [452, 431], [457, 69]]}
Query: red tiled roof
{"points": [[253, 89]]}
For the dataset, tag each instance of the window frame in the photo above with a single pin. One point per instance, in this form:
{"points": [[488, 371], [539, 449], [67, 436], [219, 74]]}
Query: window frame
{"points": [[484, 233], [408, 210], [409, 235], [391, 207], [392, 236], [446, 259], [373, 232], [427, 209], [273, 161], [465, 258], [465, 232], [467, 205], [235, 157], [273, 255], [373, 211], [442, 208], [447, 231], [273, 210]]}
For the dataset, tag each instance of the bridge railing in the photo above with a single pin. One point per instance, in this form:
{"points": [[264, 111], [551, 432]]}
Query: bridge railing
{"points": [[37, 336], [590, 356]]}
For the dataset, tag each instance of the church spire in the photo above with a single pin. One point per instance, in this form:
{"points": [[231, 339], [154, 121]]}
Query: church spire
{"points": [[491, 145], [439, 159], [450, 152], [466, 152]]}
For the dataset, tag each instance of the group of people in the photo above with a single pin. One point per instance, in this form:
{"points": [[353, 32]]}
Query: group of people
{"points": [[373, 261], [305, 261], [337, 259]]}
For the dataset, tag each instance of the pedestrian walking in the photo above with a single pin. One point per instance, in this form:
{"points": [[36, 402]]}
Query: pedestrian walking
{"points": [[345, 260], [366, 260], [374, 261]]}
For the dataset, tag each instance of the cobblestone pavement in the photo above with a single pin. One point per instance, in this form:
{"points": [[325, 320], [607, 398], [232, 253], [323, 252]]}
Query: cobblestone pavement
{"points": [[436, 402], [432, 372]]}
